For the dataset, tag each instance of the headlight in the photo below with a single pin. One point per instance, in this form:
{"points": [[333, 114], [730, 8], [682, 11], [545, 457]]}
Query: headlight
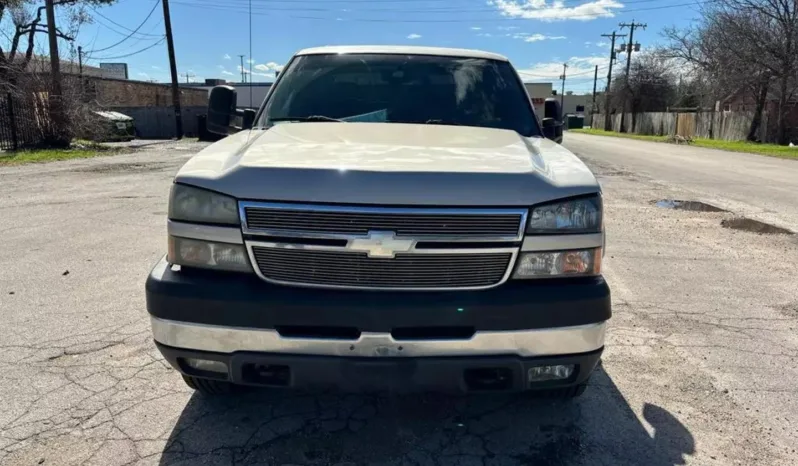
{"points": [[572, 216], [198, 205], [219, 256], [550, 264]]}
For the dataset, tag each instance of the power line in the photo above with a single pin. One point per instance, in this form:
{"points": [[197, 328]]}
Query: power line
{"points": [[614, 36], [360, 9], [119, 25], [564, 2], [131, 33], [629, 49], [525, 73], [170, 50], [132, 53], [233, 8]]}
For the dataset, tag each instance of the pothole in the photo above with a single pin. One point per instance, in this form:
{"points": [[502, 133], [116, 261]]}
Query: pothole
{"points": [[123, 167], [693, 206], [754, 226]]}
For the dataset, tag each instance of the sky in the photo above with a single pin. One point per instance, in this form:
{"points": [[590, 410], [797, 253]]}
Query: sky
{"points": [[538, 36]]}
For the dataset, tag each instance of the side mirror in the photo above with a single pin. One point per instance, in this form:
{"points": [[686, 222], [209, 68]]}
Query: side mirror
{"points": [[221, 109], [549, 128], [552, 109], [248, 119]]}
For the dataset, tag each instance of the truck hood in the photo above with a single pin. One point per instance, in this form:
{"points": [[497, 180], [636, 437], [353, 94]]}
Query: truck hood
{"points": [[389, 164]]}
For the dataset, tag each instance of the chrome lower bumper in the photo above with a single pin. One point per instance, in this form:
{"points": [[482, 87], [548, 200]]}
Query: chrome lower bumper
{"points": [[525, 343]]}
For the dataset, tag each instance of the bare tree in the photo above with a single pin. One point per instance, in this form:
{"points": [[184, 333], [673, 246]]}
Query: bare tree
{"points": [[766, 32], [26, 77], [651, 86], [719, 63], [27, 19]]}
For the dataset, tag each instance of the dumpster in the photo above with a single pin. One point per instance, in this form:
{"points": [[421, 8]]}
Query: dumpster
{"points": [[575, 121]]}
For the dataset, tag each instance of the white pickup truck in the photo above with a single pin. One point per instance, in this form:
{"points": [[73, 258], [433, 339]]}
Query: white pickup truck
{"points": [[391, 218]]}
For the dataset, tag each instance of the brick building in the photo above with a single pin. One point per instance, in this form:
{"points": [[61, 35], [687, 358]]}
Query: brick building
{"points": [[109, 92], [150, 104], [745, 102]]}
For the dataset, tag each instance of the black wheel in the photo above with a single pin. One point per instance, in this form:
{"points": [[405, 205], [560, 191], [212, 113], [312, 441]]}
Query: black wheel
{"points": [[573, 392], [561, 393], [208, 386]]}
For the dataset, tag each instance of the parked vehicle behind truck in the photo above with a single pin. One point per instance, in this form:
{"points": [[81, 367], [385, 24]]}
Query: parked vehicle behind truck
{"points": [[391, 218]]}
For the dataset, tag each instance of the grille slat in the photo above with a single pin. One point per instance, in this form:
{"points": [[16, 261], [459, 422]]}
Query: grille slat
{"points": [[416, 270], [332, 268], [500, 225]]}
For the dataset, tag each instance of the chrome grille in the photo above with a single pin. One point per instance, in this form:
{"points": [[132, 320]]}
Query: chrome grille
{"points": [[405, 271], [479, 223]]}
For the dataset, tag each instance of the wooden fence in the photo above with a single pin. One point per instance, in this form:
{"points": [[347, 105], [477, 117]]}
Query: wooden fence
{"points": [[728, 126]]}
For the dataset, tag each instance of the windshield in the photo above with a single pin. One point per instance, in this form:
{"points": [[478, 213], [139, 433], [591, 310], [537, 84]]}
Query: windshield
{"points": [[402, 89]]}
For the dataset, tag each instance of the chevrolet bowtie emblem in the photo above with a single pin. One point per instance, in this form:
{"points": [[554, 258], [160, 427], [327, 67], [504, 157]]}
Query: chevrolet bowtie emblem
{"points": [[381, 244]]}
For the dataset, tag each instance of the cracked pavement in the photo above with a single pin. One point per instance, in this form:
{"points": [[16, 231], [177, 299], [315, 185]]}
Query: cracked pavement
{"points": [[700, 364]]}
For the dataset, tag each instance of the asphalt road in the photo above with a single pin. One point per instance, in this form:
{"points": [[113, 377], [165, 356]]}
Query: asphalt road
{"points": [[759, 187], [700, 365]]}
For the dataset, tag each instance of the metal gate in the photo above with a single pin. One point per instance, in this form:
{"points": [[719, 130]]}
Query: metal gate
{"points": [[21, 122]]}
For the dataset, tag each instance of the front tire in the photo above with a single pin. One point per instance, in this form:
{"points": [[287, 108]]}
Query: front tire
{"points": [[567, 393], [571, 392], [208, 387]]}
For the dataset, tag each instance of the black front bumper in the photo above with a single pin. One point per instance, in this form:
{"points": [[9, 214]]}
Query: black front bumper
{"points": [[242, 300], [403, 375]]}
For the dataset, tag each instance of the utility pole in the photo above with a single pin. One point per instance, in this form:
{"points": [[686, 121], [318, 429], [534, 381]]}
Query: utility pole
{"points": [[80, 61], [188, 77], [562, 93], [243, 74], [170, 45], [631, 46], [55, 96], [607, 119], [593, 105]]}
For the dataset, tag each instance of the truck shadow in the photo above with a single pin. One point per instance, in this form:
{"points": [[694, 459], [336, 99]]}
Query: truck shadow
{"points": [[265, 427]]}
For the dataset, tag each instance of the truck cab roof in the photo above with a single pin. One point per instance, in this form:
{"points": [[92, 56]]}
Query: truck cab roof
{"points": [[402, 50]]}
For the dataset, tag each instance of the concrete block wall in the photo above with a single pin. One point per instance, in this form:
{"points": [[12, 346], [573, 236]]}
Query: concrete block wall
{"points": [[122, 93], [159, 122]]}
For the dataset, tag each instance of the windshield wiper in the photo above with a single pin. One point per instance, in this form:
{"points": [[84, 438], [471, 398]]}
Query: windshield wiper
{"points": [[306, 118], [443, 122]]}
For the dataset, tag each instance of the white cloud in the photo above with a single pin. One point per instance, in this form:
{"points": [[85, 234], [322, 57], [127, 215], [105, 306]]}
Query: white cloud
{"points": [[227, 73], [579, 68], [414, 36], [556, 10], [271, 66], [476, 28], [144, 75], [227, 57], [250, 61], [485, 34], [602, 44], [260, 72], [507, 28], [527, 37], [588, 42], [156, 68]]}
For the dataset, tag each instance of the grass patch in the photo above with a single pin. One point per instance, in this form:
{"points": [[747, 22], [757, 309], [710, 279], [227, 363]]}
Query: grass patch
{"points": [[601, 132], [771, 150], [79, 151]]}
